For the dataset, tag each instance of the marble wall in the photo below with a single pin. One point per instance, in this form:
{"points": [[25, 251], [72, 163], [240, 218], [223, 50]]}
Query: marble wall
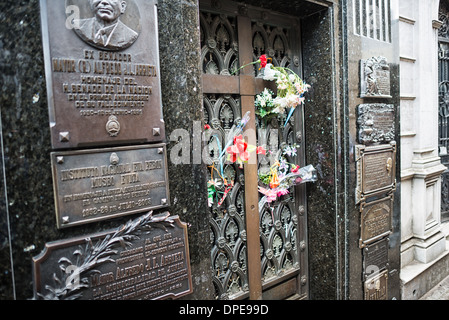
{"points": [[330, 59], [27, 214]]}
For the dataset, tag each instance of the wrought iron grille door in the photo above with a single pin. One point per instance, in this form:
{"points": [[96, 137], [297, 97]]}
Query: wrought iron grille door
{"points": [[257, 252], [443, 118]]}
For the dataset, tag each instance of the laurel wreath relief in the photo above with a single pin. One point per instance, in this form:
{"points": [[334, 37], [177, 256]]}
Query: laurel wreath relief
{"points": [[87, 257]]}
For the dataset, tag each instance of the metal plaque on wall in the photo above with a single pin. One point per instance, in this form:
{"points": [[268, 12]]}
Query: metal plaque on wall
{"points": [[98, 184], [375, 220], [376, 123], [375, 257], [377, 288], [376, 169], [102, 72], [375, 78], [144, 259]]}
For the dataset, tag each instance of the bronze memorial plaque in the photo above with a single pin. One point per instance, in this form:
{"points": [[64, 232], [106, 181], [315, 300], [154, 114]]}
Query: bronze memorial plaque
{"points": [[144, 259], [102, 72], [376, 169], [376, 220], [375, 257], [376, 123], [375, 78], [97, 184], [377, 287]]}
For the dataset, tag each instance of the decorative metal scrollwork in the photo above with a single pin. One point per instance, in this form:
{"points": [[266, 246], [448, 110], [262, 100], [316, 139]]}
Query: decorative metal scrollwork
{"points": [[278, 241], [272, 41], [228, 228], [219, 44], [278, 221], [443, 31], [443, 116]]}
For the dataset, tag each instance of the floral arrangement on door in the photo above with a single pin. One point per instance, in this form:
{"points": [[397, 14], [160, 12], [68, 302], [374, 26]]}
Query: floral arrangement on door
{"points": [[282, 175]]}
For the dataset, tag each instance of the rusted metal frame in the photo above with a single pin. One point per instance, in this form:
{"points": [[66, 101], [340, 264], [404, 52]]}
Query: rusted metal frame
{"points": [[247, 92]]}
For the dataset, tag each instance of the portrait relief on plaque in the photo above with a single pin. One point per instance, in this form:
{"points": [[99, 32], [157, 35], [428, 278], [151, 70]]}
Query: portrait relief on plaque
{"points": [[102, 72], [376, 170], [108, 25]]}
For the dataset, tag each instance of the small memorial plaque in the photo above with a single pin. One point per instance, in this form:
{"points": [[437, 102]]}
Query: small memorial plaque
{"points": [[376, 169], [376, 220], [376, 123], [375, 257], [97, 184], [377, 287], [375, 78], [102, 72], [145, 259]]}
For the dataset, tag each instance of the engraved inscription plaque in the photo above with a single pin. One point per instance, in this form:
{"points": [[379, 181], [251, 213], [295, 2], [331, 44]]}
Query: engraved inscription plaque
{"points": [[376, 169], [375, 78], [376, 123], [97, 184], [375, 257], [377, 287], [102, 72], [376, 220], [144, 259]]}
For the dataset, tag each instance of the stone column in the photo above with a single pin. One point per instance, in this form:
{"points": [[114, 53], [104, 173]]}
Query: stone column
{"points": [[422, 242]]}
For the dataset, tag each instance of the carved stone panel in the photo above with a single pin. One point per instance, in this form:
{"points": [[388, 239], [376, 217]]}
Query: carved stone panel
{"points": [[98, 184], [375, 78], [376, 123], [103, 83], [375, 220], [376, 170], [145, 259]]}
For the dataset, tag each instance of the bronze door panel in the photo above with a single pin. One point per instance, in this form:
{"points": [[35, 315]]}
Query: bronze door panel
{"points": [[258, 252]]}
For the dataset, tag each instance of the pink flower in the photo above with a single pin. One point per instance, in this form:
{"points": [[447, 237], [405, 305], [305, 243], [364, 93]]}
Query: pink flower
{"points": [[282, 192], [270, 194], [261, 150], [238, 150]]}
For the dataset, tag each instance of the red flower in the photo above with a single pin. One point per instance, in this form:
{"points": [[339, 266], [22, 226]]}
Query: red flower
{"points": [[261, 150], [295, 169], [206, 127], [238, 150], [263, 61]]}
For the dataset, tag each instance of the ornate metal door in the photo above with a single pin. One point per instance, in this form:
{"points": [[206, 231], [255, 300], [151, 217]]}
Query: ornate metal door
{"points": [[257, 252]]}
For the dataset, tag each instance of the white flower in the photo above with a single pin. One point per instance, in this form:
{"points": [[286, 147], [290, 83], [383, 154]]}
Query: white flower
{"points": [[302, 87], [282, 82], [292, 100], [281, 104], [270, 74]]}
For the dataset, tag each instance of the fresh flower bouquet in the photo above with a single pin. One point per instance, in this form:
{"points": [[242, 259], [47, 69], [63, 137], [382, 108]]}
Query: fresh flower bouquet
{"points": [[265, 106], [282, 176], [290, 90], [236, 150]]}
